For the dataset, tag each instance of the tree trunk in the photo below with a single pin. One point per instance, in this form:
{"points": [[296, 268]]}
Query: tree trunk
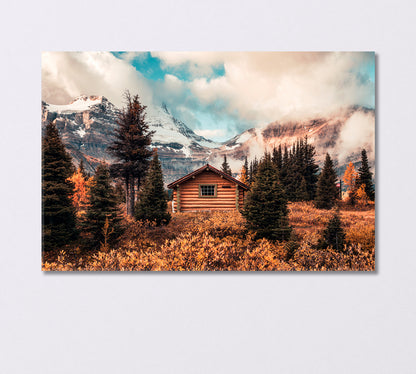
{"points": [[130, 196]]}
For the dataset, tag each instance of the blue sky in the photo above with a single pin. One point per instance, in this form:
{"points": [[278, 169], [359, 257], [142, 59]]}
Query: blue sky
{"points": [[218, 94]]}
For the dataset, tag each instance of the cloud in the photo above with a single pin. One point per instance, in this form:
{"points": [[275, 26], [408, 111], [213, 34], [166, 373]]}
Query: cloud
{"points": [[357, 133], [253, 88], [211, 134], [66, 75], [263, 87]]}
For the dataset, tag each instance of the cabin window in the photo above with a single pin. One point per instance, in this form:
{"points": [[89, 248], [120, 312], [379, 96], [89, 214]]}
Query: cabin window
{"points": [[207, 190]]}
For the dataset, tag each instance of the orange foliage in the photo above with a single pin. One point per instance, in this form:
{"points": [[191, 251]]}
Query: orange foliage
{"points": [[350, 177], [243, 175], [80, 195], [362, 195], [218, 240]]}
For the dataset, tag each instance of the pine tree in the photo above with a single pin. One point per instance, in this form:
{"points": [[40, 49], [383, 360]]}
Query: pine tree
{"points": [[265, 208], [310, 169], [365, 176], [333, 234], [102, 206], [152, 204], [58, 212], [327, 191], [225, 167], [131, 148]]}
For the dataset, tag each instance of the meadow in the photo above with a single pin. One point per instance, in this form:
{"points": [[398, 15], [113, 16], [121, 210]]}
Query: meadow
{"points": [[219, 241]]}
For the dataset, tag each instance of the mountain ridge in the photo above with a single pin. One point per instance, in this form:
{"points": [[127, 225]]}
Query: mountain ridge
{"points": [[87, 127]]}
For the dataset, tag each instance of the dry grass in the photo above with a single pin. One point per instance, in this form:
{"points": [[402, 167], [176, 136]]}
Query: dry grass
{"points": [[218, 240]]}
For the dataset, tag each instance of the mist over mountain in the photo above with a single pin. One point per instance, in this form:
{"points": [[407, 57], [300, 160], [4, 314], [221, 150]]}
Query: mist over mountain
{"points": [[87, 127]]}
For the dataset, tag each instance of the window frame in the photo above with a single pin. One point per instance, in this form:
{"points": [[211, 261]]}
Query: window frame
{"points": [[207, 196]]}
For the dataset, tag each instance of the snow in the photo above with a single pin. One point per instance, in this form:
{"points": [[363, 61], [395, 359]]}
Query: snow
{"points": [[80, 104], [232, 147], [80, 132], [243, 137], [167, 128], [169, 131]]}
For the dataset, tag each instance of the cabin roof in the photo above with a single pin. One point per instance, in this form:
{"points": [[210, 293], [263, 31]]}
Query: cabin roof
{"points": [[211, 168]]}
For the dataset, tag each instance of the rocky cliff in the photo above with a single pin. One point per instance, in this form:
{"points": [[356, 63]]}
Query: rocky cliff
{"points": [[87, 126]]}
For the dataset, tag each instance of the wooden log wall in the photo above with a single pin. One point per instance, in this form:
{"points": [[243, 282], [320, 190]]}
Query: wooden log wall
{"points": [[189, 199]]}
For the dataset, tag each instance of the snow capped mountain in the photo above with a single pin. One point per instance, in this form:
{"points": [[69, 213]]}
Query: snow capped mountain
{"points": [[343, 135], [87, 126]]}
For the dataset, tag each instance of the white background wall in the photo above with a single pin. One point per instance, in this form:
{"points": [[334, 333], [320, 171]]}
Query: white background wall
{"points": [[206, 323]]}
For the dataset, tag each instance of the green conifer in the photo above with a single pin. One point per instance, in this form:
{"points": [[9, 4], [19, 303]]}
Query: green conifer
{"points": [[131, 148], [365, 176], [265, 208], [225, 167], [103, 205], [327, 191], [333, 234], [58, 212], [152, 204]]}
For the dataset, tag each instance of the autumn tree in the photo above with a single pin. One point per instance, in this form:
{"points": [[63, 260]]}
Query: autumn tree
{"points": [[152, 204], [102, 208], [365, 176], [225, 167], [350, 181], [361, 195], [265, 208], [58, 212], [244, 172], [79, 195], [327, 190], [131, 148]]}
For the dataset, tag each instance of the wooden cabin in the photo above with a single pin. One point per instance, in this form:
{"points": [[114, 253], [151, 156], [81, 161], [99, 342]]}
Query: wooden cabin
{"points": [[207, 188]]}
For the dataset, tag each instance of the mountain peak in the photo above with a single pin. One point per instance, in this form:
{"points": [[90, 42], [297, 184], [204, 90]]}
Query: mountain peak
{"points": [[96, 98]]}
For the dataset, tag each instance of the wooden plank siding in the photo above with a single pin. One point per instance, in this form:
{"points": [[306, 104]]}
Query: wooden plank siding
{"points": [[190, 199]]}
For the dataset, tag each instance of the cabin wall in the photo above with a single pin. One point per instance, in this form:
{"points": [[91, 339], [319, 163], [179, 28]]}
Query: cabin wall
{"points": [[191, 201]]}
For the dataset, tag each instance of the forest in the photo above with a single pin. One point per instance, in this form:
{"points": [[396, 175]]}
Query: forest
{"points": [[296, 217]]}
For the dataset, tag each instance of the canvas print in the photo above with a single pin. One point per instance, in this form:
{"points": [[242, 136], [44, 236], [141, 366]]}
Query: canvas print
{"points": [[208, 161]]}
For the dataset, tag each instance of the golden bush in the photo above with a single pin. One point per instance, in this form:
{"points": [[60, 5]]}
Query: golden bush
{"points": [[218, 240]]}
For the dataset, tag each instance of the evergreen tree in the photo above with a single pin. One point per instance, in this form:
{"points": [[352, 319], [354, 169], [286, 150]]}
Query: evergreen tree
{"points": [[131, 148], [58, 212], [246, 167], [327, 191], [152, 205], [277, 157], [225, 167], [365, 176], [310, 168], [103, 206], [333, 234], [255, 167], [265, 208]]}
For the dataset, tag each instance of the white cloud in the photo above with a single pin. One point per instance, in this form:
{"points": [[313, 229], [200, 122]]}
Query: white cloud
{"points": [[357, 133], [263, 87], [257, 87], [211, 133], [66, 75]]}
